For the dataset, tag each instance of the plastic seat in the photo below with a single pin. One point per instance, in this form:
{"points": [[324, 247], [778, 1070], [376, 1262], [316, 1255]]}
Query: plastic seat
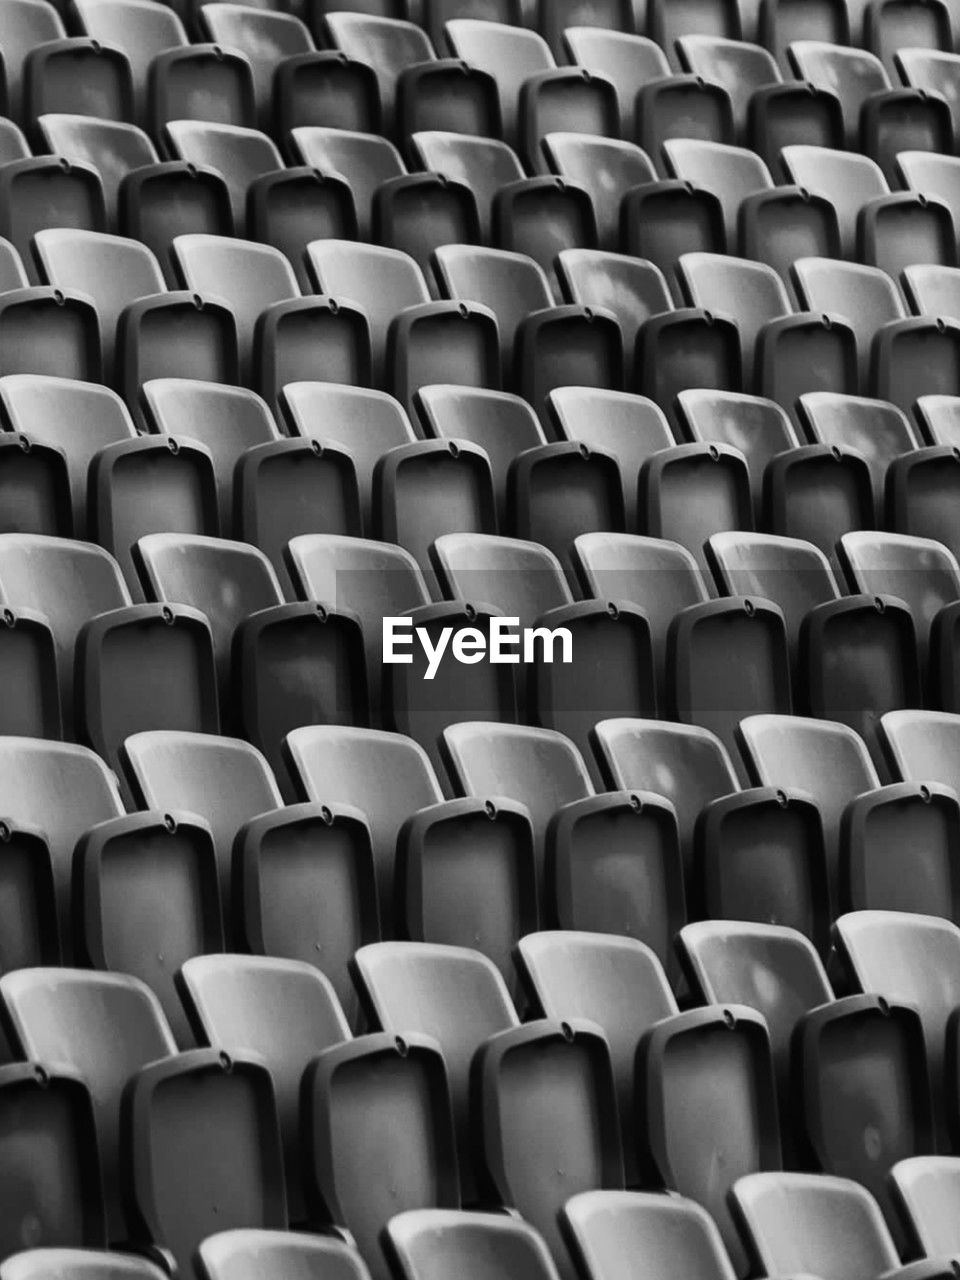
{"points": [[240, 155], [12, 273], [825, 759], [758, 428], [13, 145], [628, 61], [519, 578], [564, 101], [848, 181], [62, 1201], [48, 192], [934, 72], [890, 25], [105, 1027], [768, 968], [425, 1242], [75, 417], [365, 161], [584, 975], [26, 24], [418, 213], [735, 1118], [605, 167], [387, 45], [544, 1098], [112, 148], [818, 494], [782, 22], [242, 1004], [223, 780], [688, 766], [922, 746], [141, 30], [453, 995], [539, 768], [932, 290], [394, 1086], [225, 1129], [265, 37], [78, 76], [865, 297], [195, 571], [200, 82], [918, 571], [631, 288], [385, 775], [935, 176], [56, 1264], [925, 1191], [327, 89], [238, 1254], [937, 416], [800, 1220], [673, 1235], [226, 420], [501, 424], [510, 54], [67, 582], [435, 14], [484, 165], [663, 220], [894, 231], [372, 580], [46, 331], [731, 173], [691, 491]]}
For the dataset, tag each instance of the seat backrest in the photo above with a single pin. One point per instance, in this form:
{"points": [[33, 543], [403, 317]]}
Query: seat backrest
{"points": [[510, 54], [364, 160], [917, 570], [112, 147], [389, 45], [85, 1264], [674, 1236], [852, 74], [512, 285], [628, 61], [848, 181], [264, 36], [738, 67], [521, 579], [427, 1242], [864, 297], [605, 167], [25, 24], [106, 1027], [239, 155], [243, 1254], [731, 173], [799, 1223], [928, 1191], [751, 292], [933, 290], [878, 430], [482, 164]]}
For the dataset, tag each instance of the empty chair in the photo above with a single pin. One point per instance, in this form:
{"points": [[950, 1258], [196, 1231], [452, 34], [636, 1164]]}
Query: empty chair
{"points": [[890, 25], [731, 173], [617, 983], [768, 968], [379, 1103], [453, 995], [540, 768], [106, 1027], [225, 420], [68, 582], [605, 167], [388, 45], [265, 37], [932, 290], [62, 790], [13, 145], [44, 193], [880, 431], [510, 54], [207, 1119], [938, 419], [925, 1191], [668, 22], [79, 418], [48, 1263], [373, 580], [366, 161], [428, 1241], [721, 1057], [922, 745], [240, 155], [149, 898], [918, 571], [934, 176], [112, 148], [689, 766], [934, 71], [243, 1004], [827, 760], [238, 1254], [385, 775], [223, 780], [674, 1235], [544, 1098], [627, 61], [691, 491], [519, 578], [46, 331], [830, 1225], [77, 76], [848, 181], [895, 231], [631, 288], [140, 29], [484, 165]]}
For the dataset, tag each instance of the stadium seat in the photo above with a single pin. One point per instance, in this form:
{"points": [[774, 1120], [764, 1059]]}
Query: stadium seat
{"points": [[76, 417], [140, 30], [662, 220], [484, 165], [453, 995], [794, 1221], [53, 1263], [62, 1201], [47, 193], [13, 145], [366, 161], [721, 1057], [265, 37], [544, 1098], [628, 61], [30, 921], [238, 1255], [105, 1027], [424, 1241], [243, 1004], [385, 775], [631, 288], [673, 1235], [890, 25], [827, 760], [607, 168], [393, 1086], [933, 71], [206, 1118], [617, 983], [714, 473], [26, 24], [200, 82], [46, 331], [77, 76], [223, 780], [880, 431], [925, 1190], [519, 578], [510, 54], [848, 181]]}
